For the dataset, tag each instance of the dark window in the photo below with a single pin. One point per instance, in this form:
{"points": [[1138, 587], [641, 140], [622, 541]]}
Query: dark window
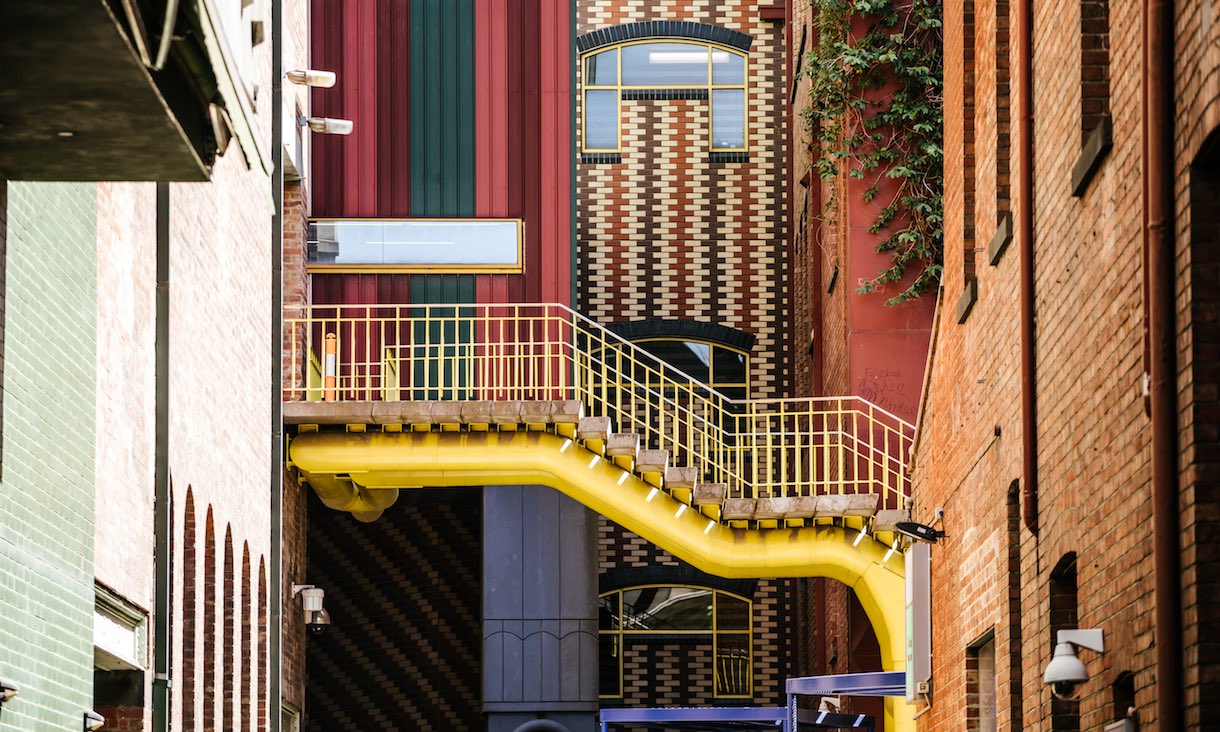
{"points": [[980, 685], [1065, 715], [968, 111], [704, 618], [1094, 65]]}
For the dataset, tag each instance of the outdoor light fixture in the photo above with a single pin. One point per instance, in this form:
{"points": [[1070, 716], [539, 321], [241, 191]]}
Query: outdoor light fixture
{"points": [[93, 721], [922, 532], [316, 617], [8, 690], [1066, 672], [312, 77], [328, 125]]}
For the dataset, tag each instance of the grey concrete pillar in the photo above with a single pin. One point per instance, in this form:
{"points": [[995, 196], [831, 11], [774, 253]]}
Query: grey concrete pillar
{"points": [[539, 610]]}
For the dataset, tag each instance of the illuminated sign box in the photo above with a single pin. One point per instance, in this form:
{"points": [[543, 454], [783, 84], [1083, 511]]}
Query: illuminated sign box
{"points": [[416, 245]]}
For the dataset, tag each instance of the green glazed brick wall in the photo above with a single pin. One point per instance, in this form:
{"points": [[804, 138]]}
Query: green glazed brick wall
{"points": [[46, 488]]}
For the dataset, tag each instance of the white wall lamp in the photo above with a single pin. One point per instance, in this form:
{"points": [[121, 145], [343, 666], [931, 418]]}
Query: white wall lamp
{"points": [[327, 125], [312, 77], [1066, 673], [93, 721], [8, 690]]}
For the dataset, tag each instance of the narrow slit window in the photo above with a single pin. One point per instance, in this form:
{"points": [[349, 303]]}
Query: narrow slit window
{"points": [[1094, 65]]}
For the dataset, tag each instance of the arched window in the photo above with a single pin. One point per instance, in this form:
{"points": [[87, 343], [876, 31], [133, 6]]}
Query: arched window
{"points": [[712, 620], [664, 69], [725, 369], [709, 353]]}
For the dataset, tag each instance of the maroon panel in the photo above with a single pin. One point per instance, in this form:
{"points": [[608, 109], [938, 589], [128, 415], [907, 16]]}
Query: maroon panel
{"points": [[365, 173]]}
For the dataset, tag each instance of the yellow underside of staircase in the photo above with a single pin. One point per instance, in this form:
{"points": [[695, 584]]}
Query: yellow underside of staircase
{"points": [[377, 462]]}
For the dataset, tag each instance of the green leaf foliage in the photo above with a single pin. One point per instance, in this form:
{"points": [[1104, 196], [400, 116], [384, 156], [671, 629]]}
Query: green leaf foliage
{"points": [[876, 113]]}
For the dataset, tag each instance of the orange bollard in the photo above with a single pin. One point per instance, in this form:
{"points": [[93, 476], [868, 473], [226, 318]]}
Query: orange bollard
{"points": [[330, 368]]}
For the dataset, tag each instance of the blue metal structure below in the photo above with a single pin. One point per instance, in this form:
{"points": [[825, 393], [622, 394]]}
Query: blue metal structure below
{"points": [[876, 683], [723, 719]]}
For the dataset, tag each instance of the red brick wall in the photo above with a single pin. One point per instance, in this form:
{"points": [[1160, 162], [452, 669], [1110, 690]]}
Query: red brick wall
{"points": [[1198, 115], [1093, 431]]}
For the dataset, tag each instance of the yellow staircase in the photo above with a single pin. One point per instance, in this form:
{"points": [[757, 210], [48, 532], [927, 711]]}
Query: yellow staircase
{"points": [[387, 398]]}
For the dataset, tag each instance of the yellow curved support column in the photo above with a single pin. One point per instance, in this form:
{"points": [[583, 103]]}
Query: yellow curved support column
{"points": [[378, 461]]}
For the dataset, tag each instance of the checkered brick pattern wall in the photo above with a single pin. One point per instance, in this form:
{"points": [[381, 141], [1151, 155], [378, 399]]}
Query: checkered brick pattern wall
{"points": [[404, 595], [666, 232], [659, 674]]}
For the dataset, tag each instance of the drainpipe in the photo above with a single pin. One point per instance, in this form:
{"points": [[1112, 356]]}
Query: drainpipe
{"points": [[1158, 83], [275, 479], [163, 561], [1024, 203]]}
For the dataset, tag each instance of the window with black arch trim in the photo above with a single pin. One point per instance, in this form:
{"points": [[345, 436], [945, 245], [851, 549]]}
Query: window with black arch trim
{"points": [[664, 69]]}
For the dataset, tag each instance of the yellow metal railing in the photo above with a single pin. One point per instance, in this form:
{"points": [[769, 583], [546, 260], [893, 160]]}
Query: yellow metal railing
{"points": [[758, 447]]}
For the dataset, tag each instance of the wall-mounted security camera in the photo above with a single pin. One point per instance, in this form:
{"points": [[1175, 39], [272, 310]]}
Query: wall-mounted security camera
{"points": [[316, 617], [1066, 673], [8, 690]]}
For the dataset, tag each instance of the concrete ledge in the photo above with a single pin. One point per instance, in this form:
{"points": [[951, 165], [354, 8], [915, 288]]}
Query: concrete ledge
{"points": [[857, 504], [886, 518], [789, 507], [1091, 155], [652, 461], [328, 413], [593, 428], [710, 494], [738, 509], [684, 477], [476, 412], [623, 444], [506, 412]]}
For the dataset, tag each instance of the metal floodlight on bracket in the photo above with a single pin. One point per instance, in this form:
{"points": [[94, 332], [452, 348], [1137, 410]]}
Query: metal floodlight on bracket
{"points": [[927, 533], [918, 531]]}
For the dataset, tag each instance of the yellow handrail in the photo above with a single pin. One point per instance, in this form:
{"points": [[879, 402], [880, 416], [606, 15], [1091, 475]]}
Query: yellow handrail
{"points": [[758, 447]]}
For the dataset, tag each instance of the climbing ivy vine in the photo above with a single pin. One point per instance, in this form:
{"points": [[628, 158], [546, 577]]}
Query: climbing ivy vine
{"points": [[876, 111]]}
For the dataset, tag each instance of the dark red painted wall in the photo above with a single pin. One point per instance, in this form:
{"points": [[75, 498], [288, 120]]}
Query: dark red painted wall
{"points": [[522, 122]]}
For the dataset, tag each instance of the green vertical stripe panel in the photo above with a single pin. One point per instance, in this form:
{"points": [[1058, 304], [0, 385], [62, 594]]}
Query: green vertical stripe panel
{"points": [[442, 108], [442, 354]]}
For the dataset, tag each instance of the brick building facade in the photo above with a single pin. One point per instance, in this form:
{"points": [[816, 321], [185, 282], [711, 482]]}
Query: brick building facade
{"points": [[670, 230], [1013, 570], [86, 423], [841, 341]]}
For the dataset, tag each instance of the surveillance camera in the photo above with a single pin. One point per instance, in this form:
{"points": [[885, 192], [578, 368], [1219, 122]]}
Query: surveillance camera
{"points": [[1066, 673], [1065, 690], [317, 621], [316, 617]]}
